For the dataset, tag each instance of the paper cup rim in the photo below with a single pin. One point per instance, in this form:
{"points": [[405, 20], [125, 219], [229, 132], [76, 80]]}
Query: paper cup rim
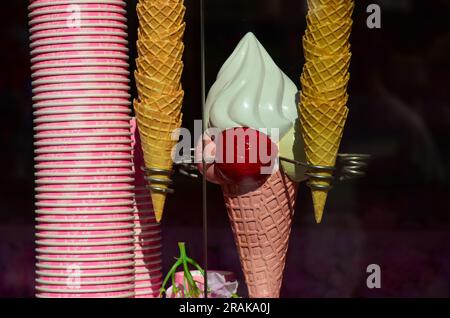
{"points": [[82, 228], [39, 235], [83, 79], [127, 257], [82, 267], [34, 14], [81, 48], [42, 219], [82, 104], [35, 5], [63, 25], [124, 211], [118, 165], [120, 63], [80, 244], [86, 252], [81, 142], [76, 117], [119, 56], [40, 19]]}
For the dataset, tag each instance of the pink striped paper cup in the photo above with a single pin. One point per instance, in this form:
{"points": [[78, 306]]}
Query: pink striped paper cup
{"points": [[79, 62], [71, 19], [52, 57]]}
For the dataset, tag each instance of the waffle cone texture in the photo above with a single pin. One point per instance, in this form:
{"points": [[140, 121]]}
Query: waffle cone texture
{"points": [[323, 102], [261, 220], [159, 67]]}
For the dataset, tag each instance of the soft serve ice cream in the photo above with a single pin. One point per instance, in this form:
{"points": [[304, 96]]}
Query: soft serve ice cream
{"points": [[252, 91]]}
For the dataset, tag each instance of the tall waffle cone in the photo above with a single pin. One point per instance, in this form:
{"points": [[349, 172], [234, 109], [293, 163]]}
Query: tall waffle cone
{"points": [[160, 95], [324, 14], [164, 104], [164, 70], [162, 16], [158, 140], [173, 34], [330, 36], [338, 92], [160, 49], [331, 3], [322, 127], [326, 72], [146, 86], [261, 221], [312, 51]]}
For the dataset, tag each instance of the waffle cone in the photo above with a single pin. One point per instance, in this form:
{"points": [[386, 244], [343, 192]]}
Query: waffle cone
{"points": [[322, 129], [261, 221], [331, 3], [336, 93], [158, 141], [326, 72], [313, 52], [174, 34], [164, 70], [147, 86], [161, 17], [324, 14], [329, 37], [160, 49], [165, 104]]}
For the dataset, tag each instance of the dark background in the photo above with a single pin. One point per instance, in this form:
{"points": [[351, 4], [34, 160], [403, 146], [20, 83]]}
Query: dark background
{"points": [[397, 216]]}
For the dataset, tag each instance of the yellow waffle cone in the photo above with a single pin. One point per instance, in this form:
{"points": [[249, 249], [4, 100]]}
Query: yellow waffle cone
{"points": [[167, 104], [329, 37], [158, 141], [326, 72], [161, 17], [322, 129], [174, 34], [164, 70], [311, 51], [331, 3], [160, 49], [147, 86], [261, 219], [324, 14], [336, 93]]}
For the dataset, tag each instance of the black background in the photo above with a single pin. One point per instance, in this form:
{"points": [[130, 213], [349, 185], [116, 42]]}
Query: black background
{"points": [[397, 216]]}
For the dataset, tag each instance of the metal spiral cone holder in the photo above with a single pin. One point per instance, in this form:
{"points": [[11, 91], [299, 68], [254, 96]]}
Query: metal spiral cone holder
{"points": [[348, 166]]}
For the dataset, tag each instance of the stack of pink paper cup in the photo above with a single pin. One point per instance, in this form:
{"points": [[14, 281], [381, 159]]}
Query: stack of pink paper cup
{"points": [[148, 260], [84, 171]]}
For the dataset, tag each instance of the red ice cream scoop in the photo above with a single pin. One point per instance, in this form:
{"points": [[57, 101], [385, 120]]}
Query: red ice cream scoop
{"points": [[244, 156]]}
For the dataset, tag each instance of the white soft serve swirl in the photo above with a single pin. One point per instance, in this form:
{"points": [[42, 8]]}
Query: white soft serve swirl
{"points": [[251, 91]]}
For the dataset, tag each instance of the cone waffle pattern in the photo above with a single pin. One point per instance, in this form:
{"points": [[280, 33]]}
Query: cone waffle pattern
{"points": [[325, 76], [160, 96], [261, 222]]}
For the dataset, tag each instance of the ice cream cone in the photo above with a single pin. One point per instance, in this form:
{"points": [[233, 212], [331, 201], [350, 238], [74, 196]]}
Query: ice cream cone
{"points": [[261, 219], [312, 51], [165, 104], [161, 17], [160, 96], [322, 127], [331, 36], [160, 49], [174, 34], [164, 70], [148, 85], [330, 14], [326, 72], [332, 94], [158, 138]]}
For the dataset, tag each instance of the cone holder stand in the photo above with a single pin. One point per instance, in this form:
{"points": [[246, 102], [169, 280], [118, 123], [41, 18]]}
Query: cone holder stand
{"points": [[348, 166], [156, 184]]}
